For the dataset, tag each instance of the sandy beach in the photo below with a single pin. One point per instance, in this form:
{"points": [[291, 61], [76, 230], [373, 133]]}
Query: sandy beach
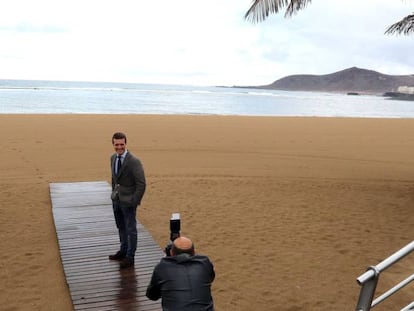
{"points": [[290, 210]]}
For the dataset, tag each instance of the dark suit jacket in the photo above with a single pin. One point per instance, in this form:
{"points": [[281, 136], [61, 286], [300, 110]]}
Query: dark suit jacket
{"points": [[129, 186]]}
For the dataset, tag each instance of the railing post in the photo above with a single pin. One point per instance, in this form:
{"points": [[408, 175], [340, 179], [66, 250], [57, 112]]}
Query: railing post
{"points": [[367, 292]]}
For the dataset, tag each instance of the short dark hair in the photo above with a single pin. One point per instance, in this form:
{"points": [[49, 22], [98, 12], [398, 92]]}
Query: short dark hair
{"points": [[119, 135], [177, 251]]}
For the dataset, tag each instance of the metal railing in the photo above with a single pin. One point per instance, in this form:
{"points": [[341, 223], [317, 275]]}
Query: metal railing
{"points": [[369, 281]]}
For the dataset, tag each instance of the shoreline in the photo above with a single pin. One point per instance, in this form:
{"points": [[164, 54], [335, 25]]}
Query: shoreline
{"points": [[204, 115], [297, 202]]}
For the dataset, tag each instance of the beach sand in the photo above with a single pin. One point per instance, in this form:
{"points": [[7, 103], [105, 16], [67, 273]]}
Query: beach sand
{"points": [[290, 210]]}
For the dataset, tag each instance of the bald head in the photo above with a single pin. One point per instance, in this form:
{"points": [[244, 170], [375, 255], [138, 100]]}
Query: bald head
{"points": [[182, 245]]}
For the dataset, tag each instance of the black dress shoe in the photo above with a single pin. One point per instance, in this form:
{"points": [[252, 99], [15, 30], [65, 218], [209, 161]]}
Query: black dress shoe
{"points": [[117, 256], [127, 262]]}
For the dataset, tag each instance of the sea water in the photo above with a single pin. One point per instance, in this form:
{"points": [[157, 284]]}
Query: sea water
{"points": [[57, 97]]}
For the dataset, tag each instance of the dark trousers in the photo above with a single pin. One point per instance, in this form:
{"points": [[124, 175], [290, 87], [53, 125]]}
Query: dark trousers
{"points": [[125, 218]]}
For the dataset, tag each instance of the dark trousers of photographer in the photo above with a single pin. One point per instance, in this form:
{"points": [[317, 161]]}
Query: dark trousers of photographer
{"points": [[125, 219]]}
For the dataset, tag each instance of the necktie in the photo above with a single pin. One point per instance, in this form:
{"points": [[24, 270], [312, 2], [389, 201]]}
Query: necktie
{"points": [[118, 166]]}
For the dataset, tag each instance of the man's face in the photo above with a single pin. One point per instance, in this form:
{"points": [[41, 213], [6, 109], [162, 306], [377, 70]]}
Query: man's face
{"points": [[119, 145]]}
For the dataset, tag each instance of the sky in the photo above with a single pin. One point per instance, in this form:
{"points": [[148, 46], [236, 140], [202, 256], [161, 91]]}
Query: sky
{"points": [[194, 42]]}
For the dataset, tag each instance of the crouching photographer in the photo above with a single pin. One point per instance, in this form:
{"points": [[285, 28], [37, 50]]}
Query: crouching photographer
{"points": [[183, 278]]}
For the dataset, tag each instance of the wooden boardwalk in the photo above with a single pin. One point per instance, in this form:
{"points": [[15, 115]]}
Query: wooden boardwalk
{"points": [[87, 234]]}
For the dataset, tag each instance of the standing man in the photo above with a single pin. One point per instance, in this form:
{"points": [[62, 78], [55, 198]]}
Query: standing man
{"points": [[128, 187], [183, 280]]}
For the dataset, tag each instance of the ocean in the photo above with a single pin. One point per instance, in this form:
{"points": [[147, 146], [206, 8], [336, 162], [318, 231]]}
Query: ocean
{"points": [[57, 97]]}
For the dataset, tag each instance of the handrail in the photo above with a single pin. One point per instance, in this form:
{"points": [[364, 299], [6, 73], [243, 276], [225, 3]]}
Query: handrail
{"points": [[386, 263], [393, 290], [408, 307], [369, 280]]}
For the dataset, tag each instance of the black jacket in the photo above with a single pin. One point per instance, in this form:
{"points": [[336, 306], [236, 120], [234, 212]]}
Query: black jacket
{"points": [[183, 282]]}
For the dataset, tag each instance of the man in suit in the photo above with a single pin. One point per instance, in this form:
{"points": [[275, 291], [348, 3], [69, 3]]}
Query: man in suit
{"points": [[128, 187]]}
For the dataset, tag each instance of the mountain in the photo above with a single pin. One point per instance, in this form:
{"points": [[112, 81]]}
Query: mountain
{"points": [[351, 80]]}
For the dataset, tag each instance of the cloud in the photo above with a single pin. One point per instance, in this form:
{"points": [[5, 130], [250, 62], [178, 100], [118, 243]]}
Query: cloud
{"points": [[196, 42], [30, 28], [332, 35]]}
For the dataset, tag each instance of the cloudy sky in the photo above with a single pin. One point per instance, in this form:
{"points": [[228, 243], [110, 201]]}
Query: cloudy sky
{"points": [[197, 42]]}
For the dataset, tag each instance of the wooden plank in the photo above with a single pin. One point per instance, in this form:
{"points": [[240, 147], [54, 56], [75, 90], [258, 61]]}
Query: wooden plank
{"points": [[87, 234]]}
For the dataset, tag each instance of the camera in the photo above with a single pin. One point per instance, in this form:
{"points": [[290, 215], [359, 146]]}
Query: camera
{"points": [[175, 227]]}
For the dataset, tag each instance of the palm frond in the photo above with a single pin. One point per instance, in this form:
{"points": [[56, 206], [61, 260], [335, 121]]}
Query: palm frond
{"points": [[261, 9], [295, 6], [404, 26]]}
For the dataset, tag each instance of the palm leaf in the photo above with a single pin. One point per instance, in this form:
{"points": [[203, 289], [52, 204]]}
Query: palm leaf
{"points": [[261, 9], [405, 26]]}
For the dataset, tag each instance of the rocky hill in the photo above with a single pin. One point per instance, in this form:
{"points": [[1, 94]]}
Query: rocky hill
{"points": [[351, 80]]}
